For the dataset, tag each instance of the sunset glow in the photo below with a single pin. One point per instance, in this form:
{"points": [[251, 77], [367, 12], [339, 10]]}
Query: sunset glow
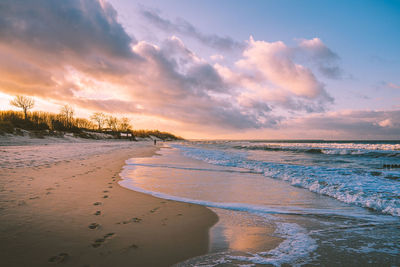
{"points": [[211, 69]]}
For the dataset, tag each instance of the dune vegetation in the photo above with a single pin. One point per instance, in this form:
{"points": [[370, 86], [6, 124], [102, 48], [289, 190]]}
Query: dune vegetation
{"points": [[99, 126]]}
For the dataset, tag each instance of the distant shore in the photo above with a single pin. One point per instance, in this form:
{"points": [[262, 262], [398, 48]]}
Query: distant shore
{"points": [[61, 203]]}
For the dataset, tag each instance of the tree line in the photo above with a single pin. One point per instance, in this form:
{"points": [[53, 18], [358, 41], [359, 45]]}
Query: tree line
{"points": [[65, 121]]}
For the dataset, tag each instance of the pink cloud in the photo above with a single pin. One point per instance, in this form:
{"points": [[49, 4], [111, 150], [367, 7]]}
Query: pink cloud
{"points": [[166, 80], [101, 67], [268, 72], [394, 86], [273, 61], [321, 56], [350, 124], [386, 123], [217, 57]]}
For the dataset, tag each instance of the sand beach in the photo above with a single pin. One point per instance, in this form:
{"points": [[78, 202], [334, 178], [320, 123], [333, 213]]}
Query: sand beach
{"points": [[199, 133], [60, 204]]}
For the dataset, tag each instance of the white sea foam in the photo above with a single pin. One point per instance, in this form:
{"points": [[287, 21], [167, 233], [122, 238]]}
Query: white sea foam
{"points": [[295, 249], [303, 242], [337, 148], [129, 183], [355, 186], [297, 244]]}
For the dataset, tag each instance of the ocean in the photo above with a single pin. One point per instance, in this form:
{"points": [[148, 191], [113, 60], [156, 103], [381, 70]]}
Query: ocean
{"points": [[284, 202]]}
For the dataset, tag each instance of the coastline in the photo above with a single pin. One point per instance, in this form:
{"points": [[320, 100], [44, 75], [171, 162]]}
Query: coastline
{"points": [[72, 211], [266, 219]]}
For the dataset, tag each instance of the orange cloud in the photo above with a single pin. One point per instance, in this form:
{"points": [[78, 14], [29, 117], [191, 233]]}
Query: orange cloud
{"points": [[78, 52]]}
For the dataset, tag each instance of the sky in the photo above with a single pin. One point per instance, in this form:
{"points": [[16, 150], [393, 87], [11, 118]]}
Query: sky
{"points": [[299, 69]]}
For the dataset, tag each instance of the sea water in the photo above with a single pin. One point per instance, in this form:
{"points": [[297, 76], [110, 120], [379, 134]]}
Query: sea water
{"points": [[284, 202]]}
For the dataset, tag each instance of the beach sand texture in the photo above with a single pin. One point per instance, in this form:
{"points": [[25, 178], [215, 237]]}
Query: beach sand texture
{"points": [[61, 204]]}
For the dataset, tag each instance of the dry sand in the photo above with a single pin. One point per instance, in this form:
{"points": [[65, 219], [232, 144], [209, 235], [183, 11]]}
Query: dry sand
{"points": [[70, 211]]}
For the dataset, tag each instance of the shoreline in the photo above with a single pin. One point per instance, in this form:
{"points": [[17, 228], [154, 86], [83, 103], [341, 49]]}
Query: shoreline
{"points": [[264, 220], [73, 211]]}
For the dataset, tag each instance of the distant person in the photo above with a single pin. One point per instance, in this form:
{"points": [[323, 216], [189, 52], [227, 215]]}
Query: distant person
{"points": [[155, 142]]}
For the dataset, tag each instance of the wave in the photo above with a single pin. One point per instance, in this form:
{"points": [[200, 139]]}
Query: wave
{"points": [[255, 209], [298, 246], [297, 243], [353, 186], [327, 151], [187, 168]]}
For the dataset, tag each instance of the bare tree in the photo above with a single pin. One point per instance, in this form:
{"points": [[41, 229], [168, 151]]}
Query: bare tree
{"points": [[124, 124], [67, 112], [24, 102], [84, 123], [112, 123], [99, 118]]}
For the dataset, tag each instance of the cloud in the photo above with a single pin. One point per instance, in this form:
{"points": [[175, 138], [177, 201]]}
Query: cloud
{"points": [[40, 41], [268, 72], [325, 59], [77, 52], [366, 124], [68, 27], [181, 26], [181, 86], [217, 57], [392, 85], [273, 62], [386, 123]]}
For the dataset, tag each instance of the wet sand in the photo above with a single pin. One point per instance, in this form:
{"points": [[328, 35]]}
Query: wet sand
{"points": [[265, 221], [72, 212]]}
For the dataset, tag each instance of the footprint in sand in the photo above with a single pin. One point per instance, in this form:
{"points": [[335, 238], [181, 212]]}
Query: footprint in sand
{"points": [[93, 226], [154, 210], [133, 220], [109, 235], [98, 242], [59, 258], [133, 246]]}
